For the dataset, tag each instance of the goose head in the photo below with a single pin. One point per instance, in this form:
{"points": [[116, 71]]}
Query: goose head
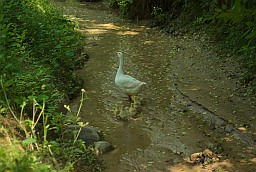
{"points": [[120, 55]]}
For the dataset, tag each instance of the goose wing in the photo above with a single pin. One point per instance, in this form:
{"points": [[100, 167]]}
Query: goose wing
{"points": [[128, 84]]}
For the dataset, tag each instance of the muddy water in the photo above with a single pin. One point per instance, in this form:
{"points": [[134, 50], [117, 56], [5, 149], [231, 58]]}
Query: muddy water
{"points": [[187, 105]]}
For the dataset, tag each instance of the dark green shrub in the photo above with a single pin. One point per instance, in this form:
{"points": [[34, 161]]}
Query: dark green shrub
{"points": [[39, 51], [142, 9], [235, 21], [89, 0], [12, 159]]}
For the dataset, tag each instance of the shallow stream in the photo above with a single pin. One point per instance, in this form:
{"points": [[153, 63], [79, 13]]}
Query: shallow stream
{"points": [[188, 105]]}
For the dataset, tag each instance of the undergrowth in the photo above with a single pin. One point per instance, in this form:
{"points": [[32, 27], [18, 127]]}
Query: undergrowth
{"points": [[25, 145], [40, 51]]}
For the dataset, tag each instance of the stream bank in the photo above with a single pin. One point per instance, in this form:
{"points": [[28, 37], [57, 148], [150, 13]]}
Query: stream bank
{"points": [[191, 103]]}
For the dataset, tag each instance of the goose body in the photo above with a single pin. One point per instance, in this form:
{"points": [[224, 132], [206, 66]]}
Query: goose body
{"points": [[126, 83]]}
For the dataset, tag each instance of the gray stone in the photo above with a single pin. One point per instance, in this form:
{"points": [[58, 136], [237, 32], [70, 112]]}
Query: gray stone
{"points": [[88, 134], [229, 128], [103, 147]]}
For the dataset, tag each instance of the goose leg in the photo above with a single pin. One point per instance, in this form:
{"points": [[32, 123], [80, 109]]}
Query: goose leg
{"points": [[117, 110]]}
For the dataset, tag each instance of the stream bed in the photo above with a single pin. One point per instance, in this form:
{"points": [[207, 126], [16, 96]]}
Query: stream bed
{"points": [[191, 102]]}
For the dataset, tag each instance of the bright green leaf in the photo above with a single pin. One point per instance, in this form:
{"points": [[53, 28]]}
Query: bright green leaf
{"points": [[70, 53], [42, 97], [28, 141], [58, 46]]}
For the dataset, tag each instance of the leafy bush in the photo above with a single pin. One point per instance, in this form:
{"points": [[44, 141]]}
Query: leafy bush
{"points": [[39, 51], [159, 15], [144, 9], [66, 152], [89, 0], [235, 21], [13, 159]]}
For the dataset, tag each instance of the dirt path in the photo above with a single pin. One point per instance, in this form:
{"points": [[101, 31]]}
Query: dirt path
{"points": [[191, 101]]}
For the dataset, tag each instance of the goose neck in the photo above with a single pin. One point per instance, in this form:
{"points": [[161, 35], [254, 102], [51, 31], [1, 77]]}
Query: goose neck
{"points": [[121, 63]]}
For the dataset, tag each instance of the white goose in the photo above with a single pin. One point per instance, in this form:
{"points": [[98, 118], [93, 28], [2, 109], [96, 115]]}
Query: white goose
{"points": [[126, 83]]}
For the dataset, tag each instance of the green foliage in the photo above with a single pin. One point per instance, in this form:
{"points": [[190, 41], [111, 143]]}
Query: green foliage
{"points": [[89, 0], [232, 23], [124, 7], [144, 9], [39, 51], [113, 3], [72, 151], [13, 160], [74, 154], [236, 29], [133, 9], [159, 15], [65, 151]]}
